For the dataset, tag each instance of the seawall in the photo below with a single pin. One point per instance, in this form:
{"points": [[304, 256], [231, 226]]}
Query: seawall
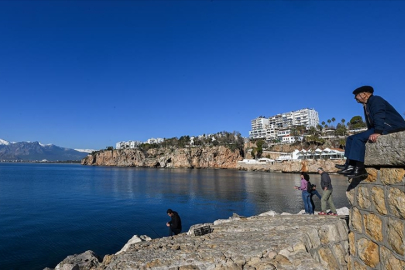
{"points": [[377, 215]]}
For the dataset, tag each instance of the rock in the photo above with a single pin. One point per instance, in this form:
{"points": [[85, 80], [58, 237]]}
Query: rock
{"points": [[133, 240], [291, 166], [258, 242], [267, 241], [389, 150], [85, 261]]}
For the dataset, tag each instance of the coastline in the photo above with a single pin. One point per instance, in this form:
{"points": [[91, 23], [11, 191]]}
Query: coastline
{"points": [[266, 241]]}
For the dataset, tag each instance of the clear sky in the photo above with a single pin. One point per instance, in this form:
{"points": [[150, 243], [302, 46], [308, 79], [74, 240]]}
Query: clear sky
{"points": [[87, 74]]}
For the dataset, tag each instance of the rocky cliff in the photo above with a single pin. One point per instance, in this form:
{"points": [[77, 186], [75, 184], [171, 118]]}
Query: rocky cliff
{"points": [[193, 157]]}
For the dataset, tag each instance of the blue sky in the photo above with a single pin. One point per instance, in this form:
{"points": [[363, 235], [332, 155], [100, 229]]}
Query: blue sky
{"points": [[86, 74]]}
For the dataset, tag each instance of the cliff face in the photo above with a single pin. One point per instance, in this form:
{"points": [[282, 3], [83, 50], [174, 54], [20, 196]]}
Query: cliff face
{"points": [[196, 157]]}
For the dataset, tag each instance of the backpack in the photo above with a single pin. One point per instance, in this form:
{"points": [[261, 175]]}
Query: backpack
{"points": [[310, 187]]}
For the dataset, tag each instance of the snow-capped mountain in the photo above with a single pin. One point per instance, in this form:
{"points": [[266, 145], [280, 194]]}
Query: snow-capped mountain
{"points": [[85, 150], [3, 142], [30, 151]]}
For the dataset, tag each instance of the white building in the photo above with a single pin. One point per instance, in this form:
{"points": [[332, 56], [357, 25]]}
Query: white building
{"points": [[128, 144], [303, 117], [268, 128], [155, 140], [259, 126]]}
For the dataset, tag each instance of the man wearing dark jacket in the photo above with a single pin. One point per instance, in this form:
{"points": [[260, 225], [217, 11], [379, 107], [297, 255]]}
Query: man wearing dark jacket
{"points": [[327, 189], [175, 223], [381, 119]]}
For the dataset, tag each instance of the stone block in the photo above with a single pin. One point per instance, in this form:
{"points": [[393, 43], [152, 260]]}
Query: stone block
{"points": [[368, 252], [363, 198], [350, 263], [342, 230], [340, 253], [352, 244], [396, 202], [327, 234], [313, 238], [327, 259], [389, 150], [372, 175], [396, 235], [359, 266], [389, 261], [373, 226], [390, 176], [378, 198], [356, 220]]}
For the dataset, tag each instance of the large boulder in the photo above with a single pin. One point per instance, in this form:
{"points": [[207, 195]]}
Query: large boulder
{"points": [[85, 261]]}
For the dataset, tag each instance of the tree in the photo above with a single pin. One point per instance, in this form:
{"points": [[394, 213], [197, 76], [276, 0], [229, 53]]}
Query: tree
{"points": [[333, 120], [343, 121], [357, 122], [296, 131], [259, 149], [329, 121], [312, 131], [340, 130], [320, 128]]}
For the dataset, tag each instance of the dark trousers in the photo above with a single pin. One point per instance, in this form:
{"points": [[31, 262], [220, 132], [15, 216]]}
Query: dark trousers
{"points": [[356, 145], [174, 231]]}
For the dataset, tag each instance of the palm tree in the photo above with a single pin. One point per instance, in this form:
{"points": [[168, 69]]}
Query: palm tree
{"points": [[333, 119], [329, 121], [343, 121]]}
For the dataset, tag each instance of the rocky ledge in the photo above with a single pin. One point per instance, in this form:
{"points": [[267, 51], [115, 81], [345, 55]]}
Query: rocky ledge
{"points": [[267, 241], [292, 166]]}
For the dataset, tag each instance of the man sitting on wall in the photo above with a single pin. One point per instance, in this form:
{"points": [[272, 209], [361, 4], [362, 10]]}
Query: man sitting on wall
{"points": [[381, 119]]}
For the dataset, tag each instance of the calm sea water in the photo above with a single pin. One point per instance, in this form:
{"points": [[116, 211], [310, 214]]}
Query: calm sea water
{"points": [[50, 211]]}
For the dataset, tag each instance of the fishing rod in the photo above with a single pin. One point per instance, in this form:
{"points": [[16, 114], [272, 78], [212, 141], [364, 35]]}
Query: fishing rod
{"points": [[147, 225]]}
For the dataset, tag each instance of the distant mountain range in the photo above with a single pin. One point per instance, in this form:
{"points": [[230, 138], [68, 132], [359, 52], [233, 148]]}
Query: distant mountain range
{"points": [[35, 151]]}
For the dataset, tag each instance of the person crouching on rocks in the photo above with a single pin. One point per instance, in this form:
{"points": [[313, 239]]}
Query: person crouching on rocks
{"points": [[175, 223]]}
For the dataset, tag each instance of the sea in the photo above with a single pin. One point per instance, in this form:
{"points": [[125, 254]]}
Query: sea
{"points": [[51, 211]]}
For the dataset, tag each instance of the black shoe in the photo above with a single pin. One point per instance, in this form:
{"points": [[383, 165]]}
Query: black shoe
{"points": [[358, 171], [341, 167], [346, 170]]}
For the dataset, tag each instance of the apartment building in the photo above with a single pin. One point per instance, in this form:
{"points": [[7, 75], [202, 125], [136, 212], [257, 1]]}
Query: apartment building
{"points": [[303, 117], [259, 126], [274, 126]]}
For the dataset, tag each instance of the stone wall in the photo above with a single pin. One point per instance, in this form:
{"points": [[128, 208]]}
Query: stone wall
{"points": [[377, 216]]}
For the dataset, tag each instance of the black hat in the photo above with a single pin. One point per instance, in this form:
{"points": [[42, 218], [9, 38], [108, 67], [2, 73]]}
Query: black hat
{"points": [[362, 89]]}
